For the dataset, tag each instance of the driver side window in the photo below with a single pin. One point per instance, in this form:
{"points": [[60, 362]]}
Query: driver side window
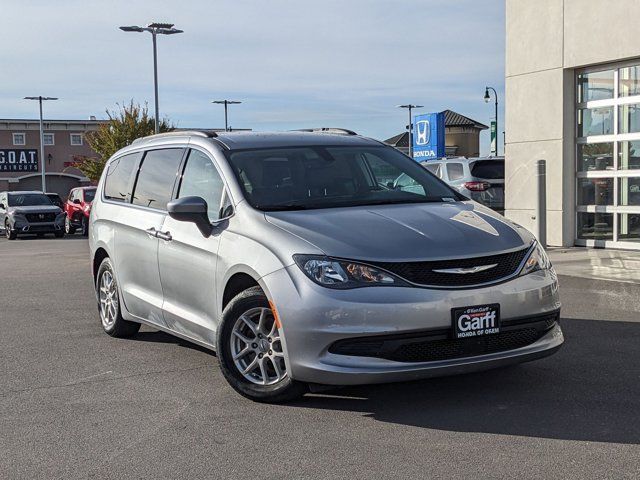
{"points": [[201, 179]]}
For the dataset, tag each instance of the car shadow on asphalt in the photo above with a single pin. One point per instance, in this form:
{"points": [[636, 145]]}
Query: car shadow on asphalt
{"points": [[161, 337], [588, 391]]}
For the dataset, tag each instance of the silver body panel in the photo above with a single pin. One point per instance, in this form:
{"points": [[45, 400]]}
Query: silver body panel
{"points": [[178, 285]]}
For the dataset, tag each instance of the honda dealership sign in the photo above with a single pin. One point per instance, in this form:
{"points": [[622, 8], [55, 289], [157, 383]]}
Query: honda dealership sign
{"points": [[428, 136], [19, 160]]}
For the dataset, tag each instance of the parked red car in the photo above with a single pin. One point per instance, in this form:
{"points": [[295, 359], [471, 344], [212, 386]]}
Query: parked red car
{"points": [[78, 208]]}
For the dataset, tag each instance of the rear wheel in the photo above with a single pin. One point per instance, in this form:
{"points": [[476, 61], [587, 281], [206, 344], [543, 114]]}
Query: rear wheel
{"points": [[250, 351], [7, 231], [109, 303], [68, 228]]}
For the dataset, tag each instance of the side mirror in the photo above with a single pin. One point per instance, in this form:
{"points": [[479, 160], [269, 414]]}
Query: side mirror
{"points": [[77, 201], [191, 209]]}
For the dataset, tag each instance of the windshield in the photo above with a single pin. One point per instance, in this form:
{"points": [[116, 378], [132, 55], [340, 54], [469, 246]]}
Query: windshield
{"points": [[28, 199], [323, 177], [89, 195]]}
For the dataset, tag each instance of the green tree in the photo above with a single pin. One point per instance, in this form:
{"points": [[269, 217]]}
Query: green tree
{"points": [[125, 124]]}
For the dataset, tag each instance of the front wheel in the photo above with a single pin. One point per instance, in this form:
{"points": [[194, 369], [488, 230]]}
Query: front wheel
{"points": [[8, 232], [68, 228], [250, 351], [109, 303]]}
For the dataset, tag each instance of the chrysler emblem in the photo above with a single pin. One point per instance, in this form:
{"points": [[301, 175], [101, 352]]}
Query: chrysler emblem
{"points": [[463, 271]]}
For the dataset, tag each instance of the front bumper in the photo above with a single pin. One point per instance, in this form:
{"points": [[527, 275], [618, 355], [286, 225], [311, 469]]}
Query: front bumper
{"points": [[25, 227], [315, 318]]}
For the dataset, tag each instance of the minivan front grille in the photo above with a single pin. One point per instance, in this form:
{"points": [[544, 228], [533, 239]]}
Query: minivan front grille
{"points": [[41, 217], [425, 273], [437, 345]]}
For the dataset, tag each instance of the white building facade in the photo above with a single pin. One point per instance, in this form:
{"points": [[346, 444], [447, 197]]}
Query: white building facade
{"points": [[573, 99]]}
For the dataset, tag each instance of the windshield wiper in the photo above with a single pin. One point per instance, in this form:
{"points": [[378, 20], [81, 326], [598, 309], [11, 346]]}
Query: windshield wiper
{"points": [[282, 207]]}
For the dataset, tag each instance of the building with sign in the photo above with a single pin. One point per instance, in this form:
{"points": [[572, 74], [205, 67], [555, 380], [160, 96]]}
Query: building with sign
{"points": [[461, 136], [21, 159], [573, 99]]}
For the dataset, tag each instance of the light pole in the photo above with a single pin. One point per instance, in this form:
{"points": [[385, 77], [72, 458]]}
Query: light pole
{"points": [[226, 103], [155, 29], [410, 107], [487, 97], [40, 99]]}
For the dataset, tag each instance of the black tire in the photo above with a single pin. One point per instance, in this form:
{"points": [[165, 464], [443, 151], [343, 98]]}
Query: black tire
{"points": [[120, 328], [11, 235], [285, 390], [85, 226], [59, 233], [68, 228]]}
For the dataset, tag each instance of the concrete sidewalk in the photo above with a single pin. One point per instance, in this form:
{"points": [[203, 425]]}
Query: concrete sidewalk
{"points": [[598, 264]]}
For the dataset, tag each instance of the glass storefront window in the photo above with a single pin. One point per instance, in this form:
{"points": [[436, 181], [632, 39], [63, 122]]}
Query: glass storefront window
{"points": [[595, 191], [629, 191], [629, 118], [595, 156], [595, 121], [595, 226], [595, 85], [629, 81], [629, 227], [629, 155]]}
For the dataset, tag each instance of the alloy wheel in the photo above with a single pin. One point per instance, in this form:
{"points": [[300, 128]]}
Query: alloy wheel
{"points": [[108, 300], [256, 347]]}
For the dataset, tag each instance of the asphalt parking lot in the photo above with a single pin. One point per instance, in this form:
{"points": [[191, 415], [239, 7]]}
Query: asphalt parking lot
{"points": [[75, 403]]}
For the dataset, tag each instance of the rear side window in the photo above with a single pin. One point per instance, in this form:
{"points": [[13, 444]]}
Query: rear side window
{"points": [[156, 178], [491, 169], [118, 180], [434, 168], [455, 171], [201, 179]]}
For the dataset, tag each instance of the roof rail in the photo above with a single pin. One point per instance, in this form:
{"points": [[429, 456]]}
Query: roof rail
{"points": [[178, 133], [340, 131]]}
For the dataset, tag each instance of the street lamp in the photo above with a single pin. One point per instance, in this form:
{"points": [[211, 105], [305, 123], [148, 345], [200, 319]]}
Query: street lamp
{"points": [[487, 97], [410, 107], [226, 103], [40, 99], [154, 29]]}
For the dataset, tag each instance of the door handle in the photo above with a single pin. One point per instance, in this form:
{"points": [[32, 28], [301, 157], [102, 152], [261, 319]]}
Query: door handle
{"points": [[164, 236], [152, 232]]}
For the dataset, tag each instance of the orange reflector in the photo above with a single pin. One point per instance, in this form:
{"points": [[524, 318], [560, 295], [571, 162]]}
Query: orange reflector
{"points": [[275, 314]]}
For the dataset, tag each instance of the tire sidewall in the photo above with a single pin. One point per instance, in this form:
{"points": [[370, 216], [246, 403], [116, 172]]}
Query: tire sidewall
{"points": [[284, 390]]}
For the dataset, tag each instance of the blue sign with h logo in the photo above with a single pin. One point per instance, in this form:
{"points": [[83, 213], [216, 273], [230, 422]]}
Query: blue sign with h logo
{"points": [[428, 136]]}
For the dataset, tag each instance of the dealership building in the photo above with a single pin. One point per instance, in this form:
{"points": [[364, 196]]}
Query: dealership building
{"points": [[573, 99], [21, 159]]}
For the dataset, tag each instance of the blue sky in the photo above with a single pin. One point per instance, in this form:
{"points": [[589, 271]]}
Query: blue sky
{"points": [[294, 64]]}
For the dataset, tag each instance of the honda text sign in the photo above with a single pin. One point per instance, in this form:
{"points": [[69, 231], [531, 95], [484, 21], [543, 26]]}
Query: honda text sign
{"points": [[428, 136], [19, 160]]}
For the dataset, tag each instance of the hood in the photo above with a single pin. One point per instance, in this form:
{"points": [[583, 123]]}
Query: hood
{"points": [[402, 233], [35, 209]]}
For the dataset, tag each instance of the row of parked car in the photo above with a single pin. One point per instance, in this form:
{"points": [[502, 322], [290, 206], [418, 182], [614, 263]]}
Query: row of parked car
{"points": [[32, 212]]}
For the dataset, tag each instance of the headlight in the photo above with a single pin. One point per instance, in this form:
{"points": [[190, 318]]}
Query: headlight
{"points": [[537, 260], [333, 273]]}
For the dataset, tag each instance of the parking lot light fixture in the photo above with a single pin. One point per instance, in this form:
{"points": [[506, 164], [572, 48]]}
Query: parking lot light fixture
{"points": [[41, 99], [410, 107], [226, 103], [154, 29], [487, 97]]}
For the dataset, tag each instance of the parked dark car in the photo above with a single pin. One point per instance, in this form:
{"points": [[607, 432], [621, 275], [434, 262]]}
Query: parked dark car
{"points": [[29, 213], [78, 208]]}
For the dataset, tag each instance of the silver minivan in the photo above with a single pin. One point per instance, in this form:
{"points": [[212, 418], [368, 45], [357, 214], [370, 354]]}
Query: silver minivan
{"points": [[296, 260]]}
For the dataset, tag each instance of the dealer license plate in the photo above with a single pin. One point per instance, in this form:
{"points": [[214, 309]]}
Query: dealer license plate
{"points": [[476, 321]]}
